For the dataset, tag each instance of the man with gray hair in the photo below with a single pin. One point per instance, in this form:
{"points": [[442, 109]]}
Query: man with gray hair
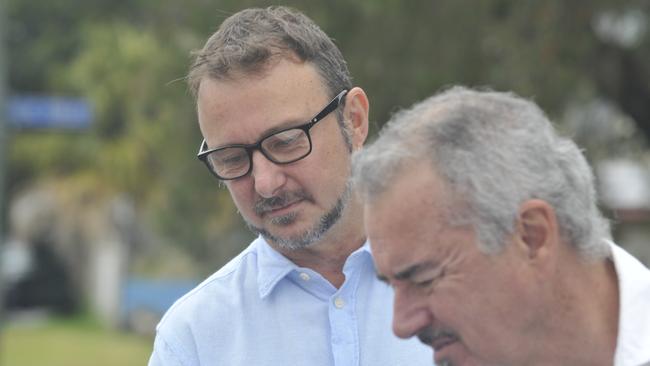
{"points": [[484, 221], [280, 119]]}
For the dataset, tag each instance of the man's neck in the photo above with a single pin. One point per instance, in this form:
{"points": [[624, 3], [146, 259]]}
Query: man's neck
{"points": [[586, 321], [329, 254]]}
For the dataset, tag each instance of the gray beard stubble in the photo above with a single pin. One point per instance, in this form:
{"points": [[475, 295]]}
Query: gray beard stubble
{"points": [[310, 236]]}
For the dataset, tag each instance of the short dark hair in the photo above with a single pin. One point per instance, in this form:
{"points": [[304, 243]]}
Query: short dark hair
{"points": [[249, 40]]}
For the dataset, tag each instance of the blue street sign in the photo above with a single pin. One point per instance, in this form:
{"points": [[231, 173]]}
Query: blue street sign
{"points": [[45, 112]]}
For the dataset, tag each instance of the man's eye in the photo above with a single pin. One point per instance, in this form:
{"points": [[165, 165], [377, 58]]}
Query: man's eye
{"points": [[233, 159], [424, 284], [286, 141], [427, 282], [283, 143]]}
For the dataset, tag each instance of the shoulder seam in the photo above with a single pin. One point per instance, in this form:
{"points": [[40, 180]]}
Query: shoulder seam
{"points": [[225, 271]]}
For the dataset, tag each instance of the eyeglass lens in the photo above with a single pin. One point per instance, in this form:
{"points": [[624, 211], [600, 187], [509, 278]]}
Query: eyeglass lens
{"points": [[282, 147]]}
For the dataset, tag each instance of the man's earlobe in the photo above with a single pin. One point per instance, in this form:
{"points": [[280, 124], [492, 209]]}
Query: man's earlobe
{"points": [[537, 227]]}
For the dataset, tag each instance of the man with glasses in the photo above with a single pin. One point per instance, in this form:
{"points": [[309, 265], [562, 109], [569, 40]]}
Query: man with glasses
{"points": [[280, 120]]}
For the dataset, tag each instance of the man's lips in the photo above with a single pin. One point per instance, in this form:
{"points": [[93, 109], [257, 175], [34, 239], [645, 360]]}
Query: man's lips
{"points": [[441, 342], [280, 203], [280, 209], [437, 339]]}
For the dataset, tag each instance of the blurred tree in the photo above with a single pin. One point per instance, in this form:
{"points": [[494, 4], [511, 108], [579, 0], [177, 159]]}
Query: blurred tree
{"points": [[129, 57], [144, 138]]}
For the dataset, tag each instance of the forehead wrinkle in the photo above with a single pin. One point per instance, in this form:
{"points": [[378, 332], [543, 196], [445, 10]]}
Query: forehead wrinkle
{"points": [[427, 235], [277, 123], [436, 240], [406, 264], [291, 122], [414, 269], [291, 92]]}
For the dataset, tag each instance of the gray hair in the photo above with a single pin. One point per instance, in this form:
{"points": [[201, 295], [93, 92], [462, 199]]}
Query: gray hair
{"points": [[249, 41], [495, 151]]}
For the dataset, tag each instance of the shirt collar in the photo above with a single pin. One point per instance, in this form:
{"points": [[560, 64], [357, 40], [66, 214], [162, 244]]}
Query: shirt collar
{"points": [[634, 323], [365, 247], [272, 266]]}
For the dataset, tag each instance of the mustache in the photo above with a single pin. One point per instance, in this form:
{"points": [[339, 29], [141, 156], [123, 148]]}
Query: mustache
{"points": [[428, 335], [265, 205]]}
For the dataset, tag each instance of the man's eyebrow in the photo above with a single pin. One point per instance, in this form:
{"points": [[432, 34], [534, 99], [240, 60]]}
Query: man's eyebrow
{"points": [[382, 278], [282, 126], [414, 269], [291, 123], [408, 272]]}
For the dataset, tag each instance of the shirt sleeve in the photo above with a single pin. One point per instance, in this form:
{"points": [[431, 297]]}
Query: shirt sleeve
{"points": [[164, 355]]}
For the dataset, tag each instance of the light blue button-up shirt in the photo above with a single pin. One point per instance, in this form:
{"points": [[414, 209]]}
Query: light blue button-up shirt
{"points": [[262, 309]]}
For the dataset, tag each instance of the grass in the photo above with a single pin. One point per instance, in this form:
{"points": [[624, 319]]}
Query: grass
{"points": [[79, 341]]}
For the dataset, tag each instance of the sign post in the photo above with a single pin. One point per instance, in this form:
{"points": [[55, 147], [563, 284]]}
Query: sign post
{"points": [[47, 112]]}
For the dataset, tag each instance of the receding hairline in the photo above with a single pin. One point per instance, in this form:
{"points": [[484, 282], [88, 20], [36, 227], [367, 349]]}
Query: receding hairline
{"points": [[451, 207], [260, 72], [246, 40], [239, 72]]}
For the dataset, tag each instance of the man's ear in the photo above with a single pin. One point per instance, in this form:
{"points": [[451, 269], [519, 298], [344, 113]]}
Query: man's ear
{"points": [[537, 230], [356, 116]]}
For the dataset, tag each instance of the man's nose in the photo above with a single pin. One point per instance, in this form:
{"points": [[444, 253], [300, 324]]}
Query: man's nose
{"points": [[410, 314], [268, 176]]}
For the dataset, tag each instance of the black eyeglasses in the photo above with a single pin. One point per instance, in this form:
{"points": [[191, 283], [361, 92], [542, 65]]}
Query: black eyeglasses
{"points": [[281, 147]]}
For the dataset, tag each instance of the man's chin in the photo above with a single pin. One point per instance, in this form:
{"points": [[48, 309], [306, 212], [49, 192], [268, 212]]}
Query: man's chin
{"points": [[285, 237], [455, 354], [288, 231], [290, 242], [282, 221]]}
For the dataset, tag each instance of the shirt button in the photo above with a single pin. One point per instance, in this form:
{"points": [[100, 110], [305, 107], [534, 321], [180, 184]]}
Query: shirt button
{"points": [[304, 276], [339, 303]]}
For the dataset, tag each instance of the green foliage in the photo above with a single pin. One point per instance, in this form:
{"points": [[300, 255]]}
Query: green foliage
{"points": [[129, 58]]}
